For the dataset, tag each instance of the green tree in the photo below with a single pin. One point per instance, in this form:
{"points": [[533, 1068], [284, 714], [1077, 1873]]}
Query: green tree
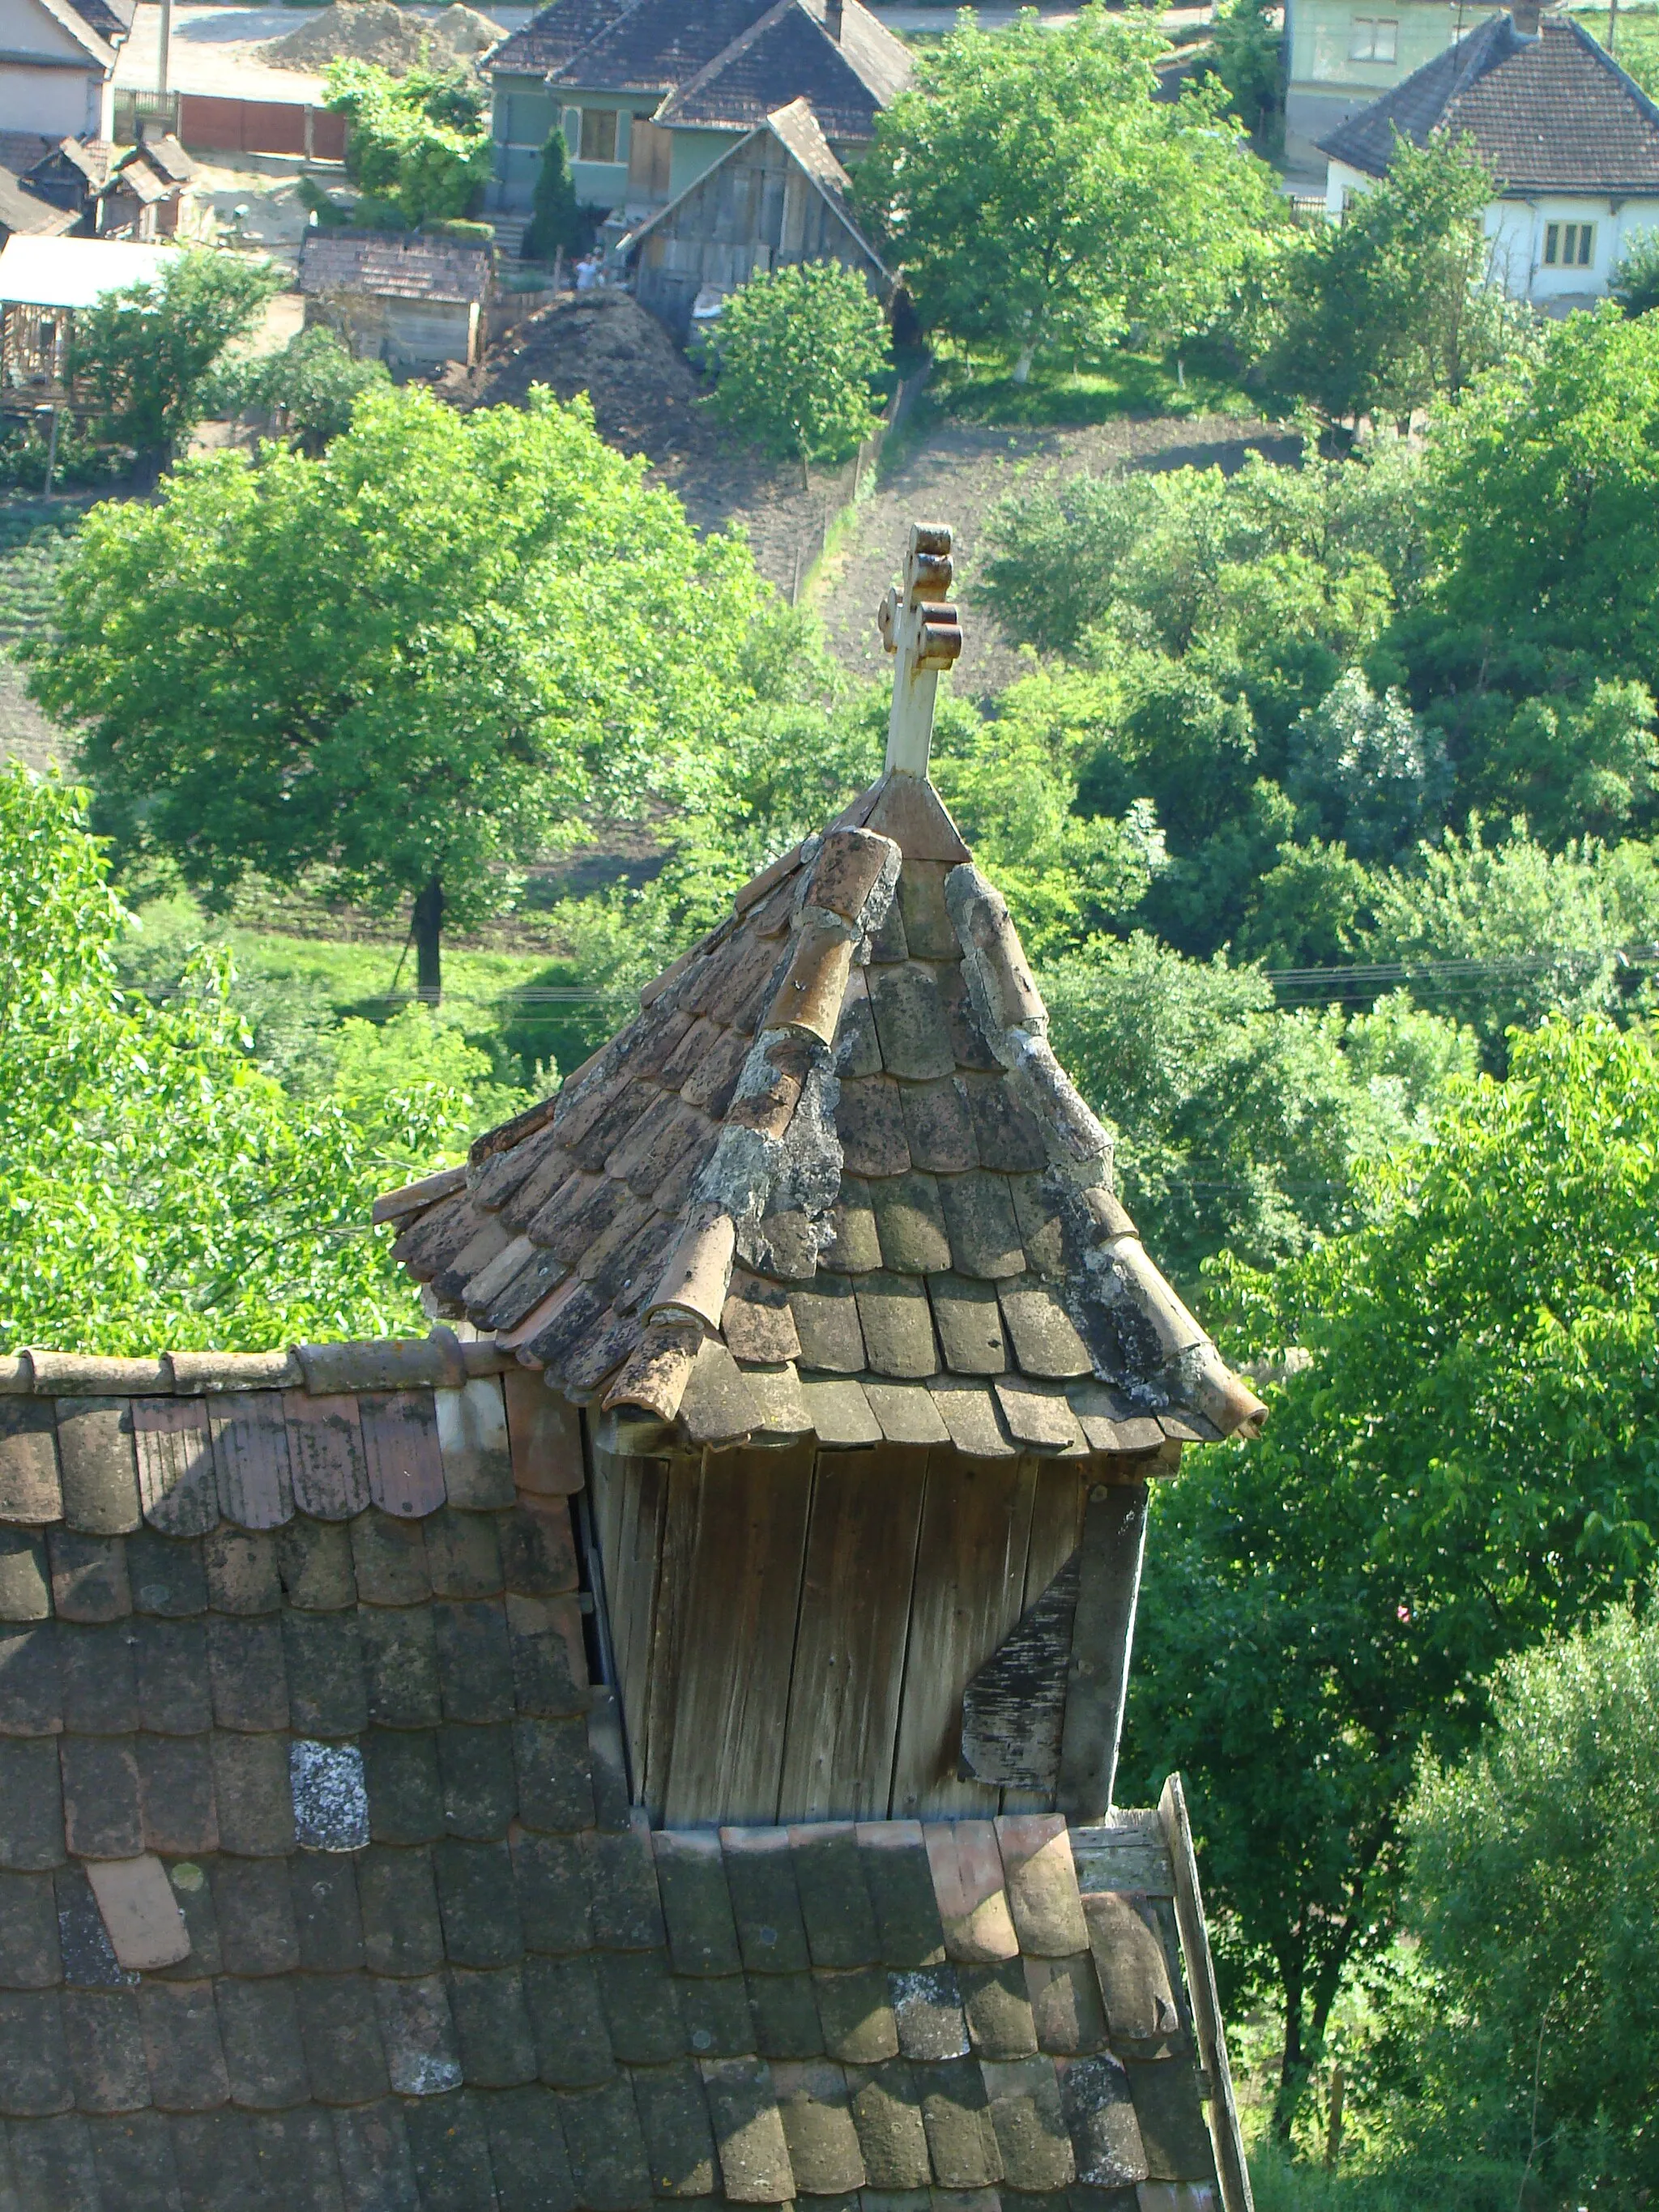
{"points": [[155, 1188], [408, 663], [1037, 194], [1534, 1868], [1463, 1468], [1544, 930], [798, 348], [1247, 52], [147, 352], [555, 220], [1239, 1125], [419, 142], [308, 389], [1635, 280], [1398, 305]]}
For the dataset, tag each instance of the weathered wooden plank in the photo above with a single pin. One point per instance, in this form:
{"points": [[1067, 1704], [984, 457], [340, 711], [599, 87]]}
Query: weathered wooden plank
{"points": [[326, 1454], [176, 1485], [1223, 2107], [679, 1529], [630, 1498], [250, 1452], [1056, 1532], [1102, 1635], [1014, 1707], [735, 1637], [855, 1601], [969, 1591]]}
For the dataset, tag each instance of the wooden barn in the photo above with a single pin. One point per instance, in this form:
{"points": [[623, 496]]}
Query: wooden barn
{"points": [[778, 196], [395, 298], [651, 1742]]}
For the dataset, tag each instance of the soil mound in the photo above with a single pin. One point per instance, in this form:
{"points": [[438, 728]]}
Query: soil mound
{"points": [[605, 343], [380, 32]]}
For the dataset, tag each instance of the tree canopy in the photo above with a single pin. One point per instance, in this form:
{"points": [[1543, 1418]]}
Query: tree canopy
{"points": [[157, 1187], [417, 142], [408, 663], [1398, 305], [147, 351], [1464, 1467], [798, 348], [1533, 1869], [1038, 195]]}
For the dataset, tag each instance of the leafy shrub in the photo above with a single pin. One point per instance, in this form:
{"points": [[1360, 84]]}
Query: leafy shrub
{"points": [[1367, 766], [308, 389], [799, 350], [1535, 1867], [1635, 280], [419, 140]]}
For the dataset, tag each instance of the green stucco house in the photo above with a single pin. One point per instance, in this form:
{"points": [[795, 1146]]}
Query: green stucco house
{"points": [[651, 93]]}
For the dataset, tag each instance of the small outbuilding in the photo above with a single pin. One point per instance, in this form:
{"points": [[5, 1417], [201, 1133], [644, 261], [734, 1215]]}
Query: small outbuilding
{"points": [[408, 301], [779, 196], [44, 284]]}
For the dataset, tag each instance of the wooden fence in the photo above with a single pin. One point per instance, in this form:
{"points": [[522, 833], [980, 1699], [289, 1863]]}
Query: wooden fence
{"points": [[211, 125]]}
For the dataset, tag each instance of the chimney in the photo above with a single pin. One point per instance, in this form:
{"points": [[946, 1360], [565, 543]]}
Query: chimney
{"points": [[832, 18], [1524, 13]]}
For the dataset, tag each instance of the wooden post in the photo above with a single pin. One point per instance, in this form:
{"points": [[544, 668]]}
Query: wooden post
{"points": [[1225, 2131], [1333, 2120], [925, 636], [1102, 1635]]}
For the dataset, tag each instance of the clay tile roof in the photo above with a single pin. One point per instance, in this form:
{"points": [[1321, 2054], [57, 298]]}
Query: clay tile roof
{"points": [[830, 1180], [393, 267], [1550, 113], [320, 1884], [788, 55]]}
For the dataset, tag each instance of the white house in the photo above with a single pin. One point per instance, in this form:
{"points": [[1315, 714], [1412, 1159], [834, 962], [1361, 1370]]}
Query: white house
{"points": [[58, 66], [1572, 140]]}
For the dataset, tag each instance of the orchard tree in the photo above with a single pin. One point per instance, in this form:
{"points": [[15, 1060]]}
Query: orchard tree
{"points": [[798, 348], [308, 388], [1037, 194], [1463, 1468], [148, 351], [1398, 305], [407, 664]]}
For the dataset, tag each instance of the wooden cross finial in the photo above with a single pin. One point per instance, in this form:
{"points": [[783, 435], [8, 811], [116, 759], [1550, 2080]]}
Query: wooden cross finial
{"points": [[918, 625]]}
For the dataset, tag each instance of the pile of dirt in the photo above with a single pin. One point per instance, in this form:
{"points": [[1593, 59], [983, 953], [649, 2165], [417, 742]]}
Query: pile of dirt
{"points": [[380, 32], [643, 389]]}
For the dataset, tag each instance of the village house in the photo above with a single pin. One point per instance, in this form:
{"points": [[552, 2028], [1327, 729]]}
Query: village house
{"points": [[651, 93], [777, 197], [1572, 140], [653, 1740], [1340, 55], [58, 65], [408, 301]]}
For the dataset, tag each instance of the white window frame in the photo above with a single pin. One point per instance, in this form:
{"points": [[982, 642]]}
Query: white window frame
{"points": [[1373, 37]]}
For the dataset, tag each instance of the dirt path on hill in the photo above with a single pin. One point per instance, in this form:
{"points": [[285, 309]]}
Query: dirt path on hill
{"points": [[955, 472]]}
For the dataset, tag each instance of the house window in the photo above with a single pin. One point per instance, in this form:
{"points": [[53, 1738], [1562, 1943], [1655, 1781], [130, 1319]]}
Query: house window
{"points": [[1373, 39], [598, 140], [1569, 245]]}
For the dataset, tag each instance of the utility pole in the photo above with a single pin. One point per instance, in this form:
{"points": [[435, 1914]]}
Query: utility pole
{"points": [[162, 63]]}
